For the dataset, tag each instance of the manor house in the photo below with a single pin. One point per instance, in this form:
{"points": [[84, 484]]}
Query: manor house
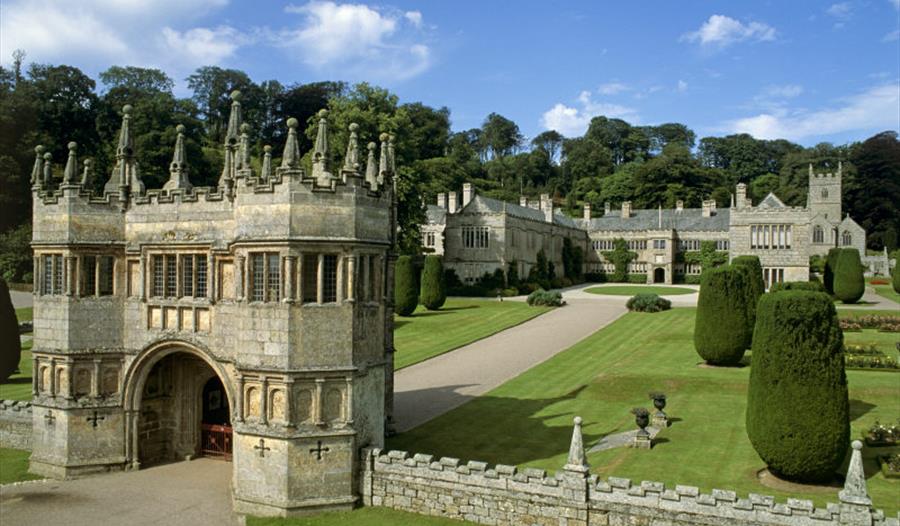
{"points": [[480, 234]]}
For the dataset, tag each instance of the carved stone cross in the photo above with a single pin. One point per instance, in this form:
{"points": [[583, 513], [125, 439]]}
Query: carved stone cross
{"points": [[262, 448], [49, 418], [94, 419], [318, 450]]}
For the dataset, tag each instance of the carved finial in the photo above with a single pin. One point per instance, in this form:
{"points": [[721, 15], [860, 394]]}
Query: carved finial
{"points": [[320, 153], [351, 160], [291, 156], [71, 171], [87, 175], [243, 158], [810, 170], [266, 163], [391, 163], [383, 161], [855, 491], [38, 169], [234, 120], [577, 461], [178, 169], [125, 148], [840, 168], [371, 167], [125, 175], [48, 169]]}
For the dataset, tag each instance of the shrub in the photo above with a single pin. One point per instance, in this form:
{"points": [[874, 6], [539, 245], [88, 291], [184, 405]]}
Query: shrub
{"points": [[636, 278], [550, 298], [10, 346], [811, 286], [798, 412], [849, 284], [405, 294], [895, 277], [830, 264], [433, 295], [595, 277], [754, 287], [648, 303], [721, 330]]}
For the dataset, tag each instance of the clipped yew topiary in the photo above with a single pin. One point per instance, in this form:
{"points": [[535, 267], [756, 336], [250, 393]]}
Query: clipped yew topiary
{"points": [[433, 294], [812, 286], [895, 278], [849, 284], [798, 413], [10, 346], [405, 294], [721, 330], [756, 287], [830, 264]]}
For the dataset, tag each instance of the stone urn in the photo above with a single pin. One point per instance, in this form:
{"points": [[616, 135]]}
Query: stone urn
{"points": [[660, 419], [642, 419]]}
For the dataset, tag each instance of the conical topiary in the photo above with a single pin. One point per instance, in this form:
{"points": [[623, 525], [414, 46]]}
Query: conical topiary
{"points": [[405, 294], [10, 345], [849, 284], [830, 264], [756, 286], [798, 413], [433, 294], [895, 278], [721, 330]]}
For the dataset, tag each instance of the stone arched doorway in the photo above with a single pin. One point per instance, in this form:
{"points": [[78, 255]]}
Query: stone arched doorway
{"points": [[659, 275], [178, 403]]}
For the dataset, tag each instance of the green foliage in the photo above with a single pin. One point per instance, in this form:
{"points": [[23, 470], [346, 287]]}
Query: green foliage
{"points": [[433, 294], [10, 346], [648, 303], [849, 284], [722, 331], [545, 298], [405, 294], [756, 286], [619, 256], [573, 260], [877, 161], [15, 255], [811, 286], [798, 412], [895, 277], [830, 264], [707, 256]]}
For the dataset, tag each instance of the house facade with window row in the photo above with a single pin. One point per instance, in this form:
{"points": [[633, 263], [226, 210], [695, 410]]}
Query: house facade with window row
{"points": [[480, 235]]}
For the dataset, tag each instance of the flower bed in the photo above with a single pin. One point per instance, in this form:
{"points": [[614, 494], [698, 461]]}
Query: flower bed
{"points": [[890, 466], [880, 435], [868, 357], [881, 323]]}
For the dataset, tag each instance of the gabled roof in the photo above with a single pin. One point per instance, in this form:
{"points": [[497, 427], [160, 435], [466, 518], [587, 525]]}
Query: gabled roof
{"points": [[687, 219], [771, 201], [435, 215]]}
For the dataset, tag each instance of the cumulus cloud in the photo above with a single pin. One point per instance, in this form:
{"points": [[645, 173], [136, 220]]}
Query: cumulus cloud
{"points": [[202, 45], [841, 11], [572, 121], [721, 30], [893, 36], [356, 38], [612, 88], [875, 108]]}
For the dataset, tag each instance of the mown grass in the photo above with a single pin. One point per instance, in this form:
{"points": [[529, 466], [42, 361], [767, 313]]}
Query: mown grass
{"points": [[459, 322], [631, 290], [886, 291], [18, 386], [528, 420], [14, 466], [24, 314], [361, 517]]}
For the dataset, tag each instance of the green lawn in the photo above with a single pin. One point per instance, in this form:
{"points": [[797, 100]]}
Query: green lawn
{"points": [[14, 466], [631, 290], [886, 291], [18, 386], [24, 314], [886, 342], [459, 322], [845, 312], [528, 420], [361, 517]]}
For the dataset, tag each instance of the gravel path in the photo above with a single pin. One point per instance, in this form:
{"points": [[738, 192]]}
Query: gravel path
{"points": [[183, 493]]}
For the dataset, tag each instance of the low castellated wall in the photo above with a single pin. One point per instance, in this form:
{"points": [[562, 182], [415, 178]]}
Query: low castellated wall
{"points": [[504, 495], [15, 424]]}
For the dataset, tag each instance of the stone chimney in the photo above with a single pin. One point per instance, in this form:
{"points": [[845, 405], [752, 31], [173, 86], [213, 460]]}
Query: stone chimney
{"points": [[741, 199], [523, 201], [452, 202], [606, 208], [468, 193], [587, 212], [709, 207], [547, 207], [626, 209], [442, 200], [679, 205]]}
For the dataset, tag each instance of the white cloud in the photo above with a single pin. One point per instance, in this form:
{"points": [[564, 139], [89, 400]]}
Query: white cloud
{"points": [[612, 88], [841, 11], [786, 91], [202, 45], [721, 30], [356, 38], [875, 108], [573, 121], [892, 36], [681, 87], [895, 3]]}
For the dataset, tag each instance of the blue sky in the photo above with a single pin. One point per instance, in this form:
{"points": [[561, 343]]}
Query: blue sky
{"points": [[802, 70]]}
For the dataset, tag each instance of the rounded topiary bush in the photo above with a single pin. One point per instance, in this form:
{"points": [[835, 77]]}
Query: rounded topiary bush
{"points": [[721, 330], [548, 298], [811, 286], [895, 278], [797, 406], [849, 284], [830, 264], [405, 294], [648, 303], [757, 285], [10, 346], [433, 294]]}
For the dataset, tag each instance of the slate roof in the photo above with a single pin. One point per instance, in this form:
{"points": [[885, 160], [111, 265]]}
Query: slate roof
{"points": [[771, 201], [435, 214], [524, 212], [688, 219]]}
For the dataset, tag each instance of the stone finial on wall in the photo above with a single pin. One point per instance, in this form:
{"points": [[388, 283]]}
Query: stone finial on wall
{"points": [[383, 160], [71, 171], [320, 153], [371, 167], [351, 160], [266, 163], [178, 179], [125, 176], [855, 490], [87, 175], [576, 460]]}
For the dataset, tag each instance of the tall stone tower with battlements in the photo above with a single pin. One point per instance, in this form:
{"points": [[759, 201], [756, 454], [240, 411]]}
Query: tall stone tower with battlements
{"points": [[251, 321], [824, 196]]}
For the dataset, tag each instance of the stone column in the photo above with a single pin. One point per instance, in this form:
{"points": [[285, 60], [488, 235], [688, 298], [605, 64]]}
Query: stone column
{"points": [[70, 384], [320, 279], [70, 276], [351, 277], [348, 417], [95, 378], [212, 278], [52, 378], [239, 400], [96, 271], [36, 368], [339, 277], [288, 279], [288, 402], [144, 276], [264, 403], [239, 278], [300, 279], [35, 276], [317, 417]]}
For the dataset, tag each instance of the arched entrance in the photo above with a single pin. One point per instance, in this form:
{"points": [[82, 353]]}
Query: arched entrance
{"points": [[179, 407], [659, 275]]}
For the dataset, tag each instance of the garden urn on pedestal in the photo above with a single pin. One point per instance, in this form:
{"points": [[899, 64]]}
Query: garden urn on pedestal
{"points": [[660, 420], [642, 419]]}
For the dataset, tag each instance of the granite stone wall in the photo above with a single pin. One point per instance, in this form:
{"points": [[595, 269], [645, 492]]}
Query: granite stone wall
{"points": [[15, 424]]}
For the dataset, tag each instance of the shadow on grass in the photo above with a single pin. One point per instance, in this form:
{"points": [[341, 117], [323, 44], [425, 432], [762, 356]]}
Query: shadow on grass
{"points": [[20, 380], [859, 408]]}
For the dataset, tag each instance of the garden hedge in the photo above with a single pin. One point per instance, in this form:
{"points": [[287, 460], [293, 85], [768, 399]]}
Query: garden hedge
{"points": [[830, 264], [10, 346], [433, 294], [405, 294], [722, 331], [756, 286], [812, 286], [895, 278], [849, 284], [798, 412]]}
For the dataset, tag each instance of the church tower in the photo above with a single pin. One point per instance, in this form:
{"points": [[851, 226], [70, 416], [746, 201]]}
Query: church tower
{"points": [[825, 194]]}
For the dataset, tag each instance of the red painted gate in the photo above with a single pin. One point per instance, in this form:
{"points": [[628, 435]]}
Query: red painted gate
{"points": [[215, 441]]}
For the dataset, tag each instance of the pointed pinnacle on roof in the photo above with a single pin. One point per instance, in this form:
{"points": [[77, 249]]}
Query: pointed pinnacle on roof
{"points": [[234, 120], [71, 171], [178, 167], [266, 163], [371, 167], [48, 169], [125, 147], [291, 156], [320, 151], [383, 161], [351, 160], [391, 164], [243, 157], [87, 175], [38, 169]]}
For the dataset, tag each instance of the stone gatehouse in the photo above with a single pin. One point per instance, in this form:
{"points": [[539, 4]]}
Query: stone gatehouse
{"points": [[251, 320]]}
